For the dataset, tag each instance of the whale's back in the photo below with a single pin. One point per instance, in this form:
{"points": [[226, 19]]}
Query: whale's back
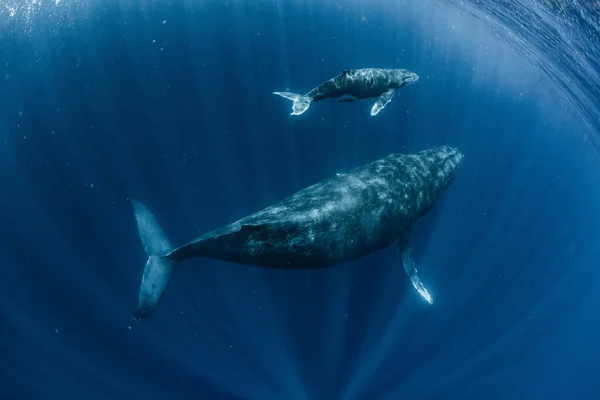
{"points": [[342, 218], [359, 83]]}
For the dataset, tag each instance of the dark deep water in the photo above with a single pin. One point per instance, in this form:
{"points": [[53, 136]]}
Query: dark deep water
{"points": [[170, 103]]}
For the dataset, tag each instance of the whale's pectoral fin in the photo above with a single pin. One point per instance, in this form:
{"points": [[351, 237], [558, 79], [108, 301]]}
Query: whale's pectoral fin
{"points": [[159, 268], [382, 102], [301, 102], [410, 267]]}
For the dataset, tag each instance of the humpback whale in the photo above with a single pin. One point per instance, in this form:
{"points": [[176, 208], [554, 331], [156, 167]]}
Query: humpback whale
{"points": [[340, 219], [355, 84]]}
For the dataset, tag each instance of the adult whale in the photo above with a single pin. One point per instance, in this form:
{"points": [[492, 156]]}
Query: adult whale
{"points": [[340, 219], [355, 84]]}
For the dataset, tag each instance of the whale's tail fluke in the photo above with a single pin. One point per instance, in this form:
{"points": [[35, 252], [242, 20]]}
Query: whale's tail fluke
{"points": [[158, 269], [301, 102]]}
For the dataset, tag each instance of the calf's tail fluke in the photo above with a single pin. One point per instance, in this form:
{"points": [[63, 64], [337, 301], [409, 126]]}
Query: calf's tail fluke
{"points": [[158, 269], [301, 102]]}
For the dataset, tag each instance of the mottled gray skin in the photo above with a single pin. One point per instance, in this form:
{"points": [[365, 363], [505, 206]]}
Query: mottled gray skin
{"points": [[343, 218], [363, 83]]}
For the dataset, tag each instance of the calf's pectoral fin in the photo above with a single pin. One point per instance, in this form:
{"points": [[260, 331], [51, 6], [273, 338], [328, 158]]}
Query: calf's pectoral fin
{"points": [[411, 268], [382, 102]]}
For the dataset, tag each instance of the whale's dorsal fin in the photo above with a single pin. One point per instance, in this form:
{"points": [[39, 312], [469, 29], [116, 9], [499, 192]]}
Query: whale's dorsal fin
{"points": [[346, 71], [253, 228]]}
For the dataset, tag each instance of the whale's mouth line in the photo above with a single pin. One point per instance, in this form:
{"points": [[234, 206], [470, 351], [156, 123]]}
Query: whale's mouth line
{"points": [[411, 79], [455, 163]]}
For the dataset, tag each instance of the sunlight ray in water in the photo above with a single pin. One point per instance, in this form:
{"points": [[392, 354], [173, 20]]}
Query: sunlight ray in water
{"points": [[171, 102]]}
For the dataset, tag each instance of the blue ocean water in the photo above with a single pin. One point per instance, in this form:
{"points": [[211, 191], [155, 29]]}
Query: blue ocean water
{"points": [[171, 103]]}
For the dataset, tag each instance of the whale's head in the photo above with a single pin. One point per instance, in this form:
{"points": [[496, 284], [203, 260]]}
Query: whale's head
{"points": [[404, 77], [444, 162]]}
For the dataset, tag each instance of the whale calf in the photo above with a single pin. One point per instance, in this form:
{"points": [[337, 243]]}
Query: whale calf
{"points": [[355, 84], [340, 219]]}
